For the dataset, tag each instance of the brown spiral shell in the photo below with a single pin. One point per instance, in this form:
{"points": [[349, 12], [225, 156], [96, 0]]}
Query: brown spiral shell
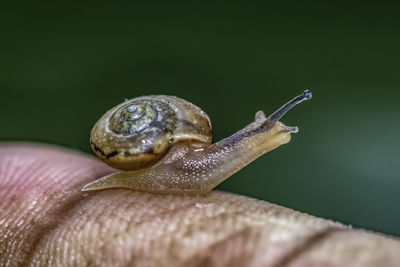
{"points": [[140, 131]]}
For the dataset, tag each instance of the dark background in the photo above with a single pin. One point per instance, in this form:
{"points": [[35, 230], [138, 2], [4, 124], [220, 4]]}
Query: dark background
{"points": [[62, 67]]}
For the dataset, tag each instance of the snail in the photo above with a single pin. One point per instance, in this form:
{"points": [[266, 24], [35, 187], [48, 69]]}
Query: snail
{"points": [[162, 144]]}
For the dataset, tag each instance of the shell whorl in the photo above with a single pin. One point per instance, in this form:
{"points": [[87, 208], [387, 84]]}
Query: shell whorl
{"points": [[138, 132], [142, 116]]}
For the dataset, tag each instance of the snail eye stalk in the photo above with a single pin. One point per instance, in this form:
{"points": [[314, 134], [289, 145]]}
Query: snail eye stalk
{"points": [[274, 117]]}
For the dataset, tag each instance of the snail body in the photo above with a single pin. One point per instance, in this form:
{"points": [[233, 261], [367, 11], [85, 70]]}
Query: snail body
{"points": [[162, 144]]}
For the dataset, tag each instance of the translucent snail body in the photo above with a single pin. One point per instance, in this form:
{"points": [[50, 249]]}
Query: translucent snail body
{"points": [[162, 144]]}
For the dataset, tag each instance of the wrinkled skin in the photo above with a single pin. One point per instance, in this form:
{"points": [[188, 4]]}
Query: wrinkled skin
{"points": [[45, 220]]}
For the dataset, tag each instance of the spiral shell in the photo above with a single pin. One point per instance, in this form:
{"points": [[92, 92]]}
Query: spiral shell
{"points": [[138, 132]]}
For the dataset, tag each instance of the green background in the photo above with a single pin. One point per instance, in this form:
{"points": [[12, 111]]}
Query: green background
{"points": [[62, 67]]}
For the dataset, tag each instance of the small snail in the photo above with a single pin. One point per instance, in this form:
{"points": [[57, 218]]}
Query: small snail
{"points": [[162, 144]]}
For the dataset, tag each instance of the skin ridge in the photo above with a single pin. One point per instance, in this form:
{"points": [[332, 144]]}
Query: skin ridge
{"points": [[307, 245], [239, 239], [57, 215]]}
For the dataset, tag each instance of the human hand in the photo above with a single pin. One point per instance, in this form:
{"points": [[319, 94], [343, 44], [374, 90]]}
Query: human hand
{"points": [[45, 220]]}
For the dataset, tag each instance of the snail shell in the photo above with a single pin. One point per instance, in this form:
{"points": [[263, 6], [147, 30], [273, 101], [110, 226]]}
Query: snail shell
{"points": [[138, 132], [162, 144]]}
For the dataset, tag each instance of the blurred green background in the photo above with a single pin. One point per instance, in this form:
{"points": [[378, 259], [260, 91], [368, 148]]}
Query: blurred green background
{"points": [[62, 67]]}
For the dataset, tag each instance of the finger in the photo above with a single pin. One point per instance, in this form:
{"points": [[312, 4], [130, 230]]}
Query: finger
{"points": [[39, 185], [50, 222]]}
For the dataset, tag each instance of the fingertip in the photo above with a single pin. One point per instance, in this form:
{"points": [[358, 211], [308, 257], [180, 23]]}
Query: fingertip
{"points": [[39, 185], [31, 167]]}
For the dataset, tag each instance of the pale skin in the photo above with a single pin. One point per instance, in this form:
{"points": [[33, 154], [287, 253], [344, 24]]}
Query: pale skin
{"points": [[45, 220]]}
